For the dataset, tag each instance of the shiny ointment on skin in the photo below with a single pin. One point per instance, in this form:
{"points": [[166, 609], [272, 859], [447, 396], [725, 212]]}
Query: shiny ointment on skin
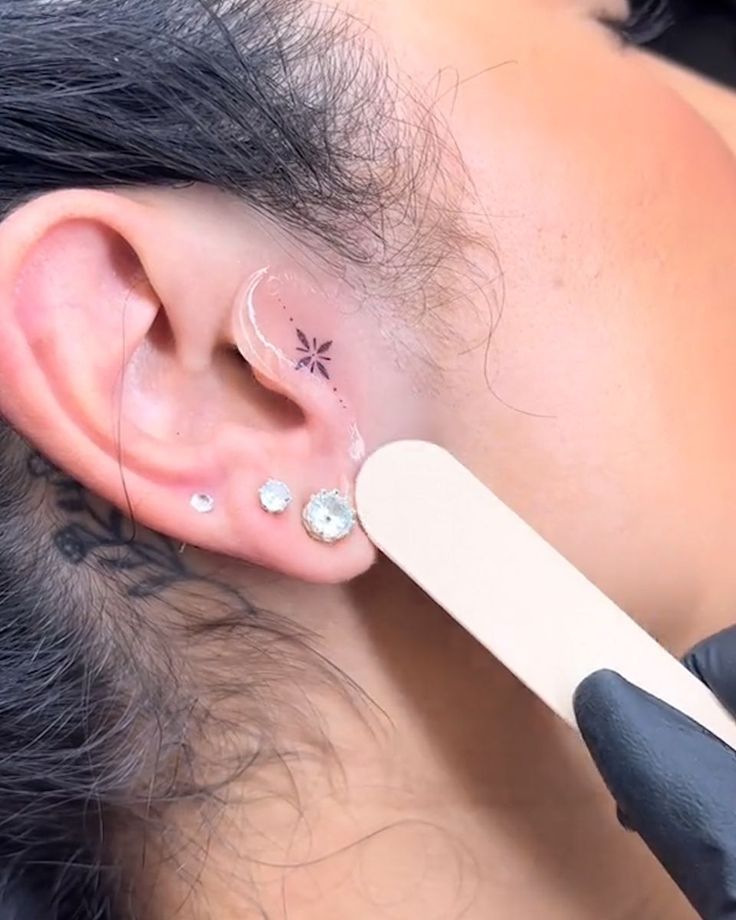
{"points": [[287, 326]]}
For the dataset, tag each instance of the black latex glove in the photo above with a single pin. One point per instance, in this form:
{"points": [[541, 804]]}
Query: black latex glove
{"points": [[674, 782]]}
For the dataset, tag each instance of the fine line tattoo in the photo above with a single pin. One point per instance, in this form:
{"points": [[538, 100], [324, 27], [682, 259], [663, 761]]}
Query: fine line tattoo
{"points": [[314, 356], [311, 356]]}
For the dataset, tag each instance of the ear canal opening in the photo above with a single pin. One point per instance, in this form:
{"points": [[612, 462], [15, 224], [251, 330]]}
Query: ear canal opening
{"points": [[160, 335]]}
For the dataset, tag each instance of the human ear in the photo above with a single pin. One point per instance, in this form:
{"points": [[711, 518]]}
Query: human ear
{"points": [[139, 355]]}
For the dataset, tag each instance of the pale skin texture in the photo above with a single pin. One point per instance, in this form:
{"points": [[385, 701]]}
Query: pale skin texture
{"points": [[608, 424]]}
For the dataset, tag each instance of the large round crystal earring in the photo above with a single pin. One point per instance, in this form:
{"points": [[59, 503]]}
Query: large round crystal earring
{"points": [[328, 516]]}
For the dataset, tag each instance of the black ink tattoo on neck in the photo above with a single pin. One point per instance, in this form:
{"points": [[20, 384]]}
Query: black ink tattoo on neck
{"points": [[104, 537], [314, 356]]}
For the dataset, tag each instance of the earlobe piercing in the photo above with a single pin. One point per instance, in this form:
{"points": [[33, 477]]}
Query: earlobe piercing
{"points": [[328, 516], [202, 503], [274, 496]]}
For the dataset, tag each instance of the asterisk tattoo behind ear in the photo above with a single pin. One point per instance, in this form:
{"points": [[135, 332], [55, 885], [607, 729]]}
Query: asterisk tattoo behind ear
{"points": [[314, 356]]}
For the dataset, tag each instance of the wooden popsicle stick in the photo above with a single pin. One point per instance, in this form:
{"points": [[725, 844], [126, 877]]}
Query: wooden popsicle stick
{"points": [[516, 594]]}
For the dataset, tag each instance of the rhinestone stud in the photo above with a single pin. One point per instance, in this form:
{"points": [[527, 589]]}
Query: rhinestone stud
{"points": [[275, 496], [328, 516], [202, 502]]}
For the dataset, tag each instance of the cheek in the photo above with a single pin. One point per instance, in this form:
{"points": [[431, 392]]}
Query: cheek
{"points": [[619, 328], [626, 464], [615, 353], [597, 474]]}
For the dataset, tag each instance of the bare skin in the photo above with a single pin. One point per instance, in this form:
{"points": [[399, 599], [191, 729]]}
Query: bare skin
{"points": [[603, 412]]}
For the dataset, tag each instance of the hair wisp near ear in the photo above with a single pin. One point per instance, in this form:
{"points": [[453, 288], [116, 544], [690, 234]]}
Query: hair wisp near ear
{"points": [[516, 594]]}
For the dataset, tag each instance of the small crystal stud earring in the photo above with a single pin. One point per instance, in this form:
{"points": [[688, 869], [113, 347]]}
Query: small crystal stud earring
{"points": [[328, 516], [202, 502], [275, 496]]}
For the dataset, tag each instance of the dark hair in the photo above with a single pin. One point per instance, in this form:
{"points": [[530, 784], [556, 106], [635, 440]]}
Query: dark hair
{"points": [[247, 96], [293, 114], [647, 20]]}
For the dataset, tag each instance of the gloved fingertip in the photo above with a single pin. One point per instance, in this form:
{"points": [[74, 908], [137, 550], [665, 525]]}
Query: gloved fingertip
{"points": [[624, 820], [713, 661], [674, 784]]}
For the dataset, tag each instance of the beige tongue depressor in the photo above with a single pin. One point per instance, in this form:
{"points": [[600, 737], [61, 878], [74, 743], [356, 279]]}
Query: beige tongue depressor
{"points": [[513, 591]]}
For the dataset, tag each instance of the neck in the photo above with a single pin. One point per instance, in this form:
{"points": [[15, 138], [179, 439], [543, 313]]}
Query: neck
{"points": [[440, 788]]}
